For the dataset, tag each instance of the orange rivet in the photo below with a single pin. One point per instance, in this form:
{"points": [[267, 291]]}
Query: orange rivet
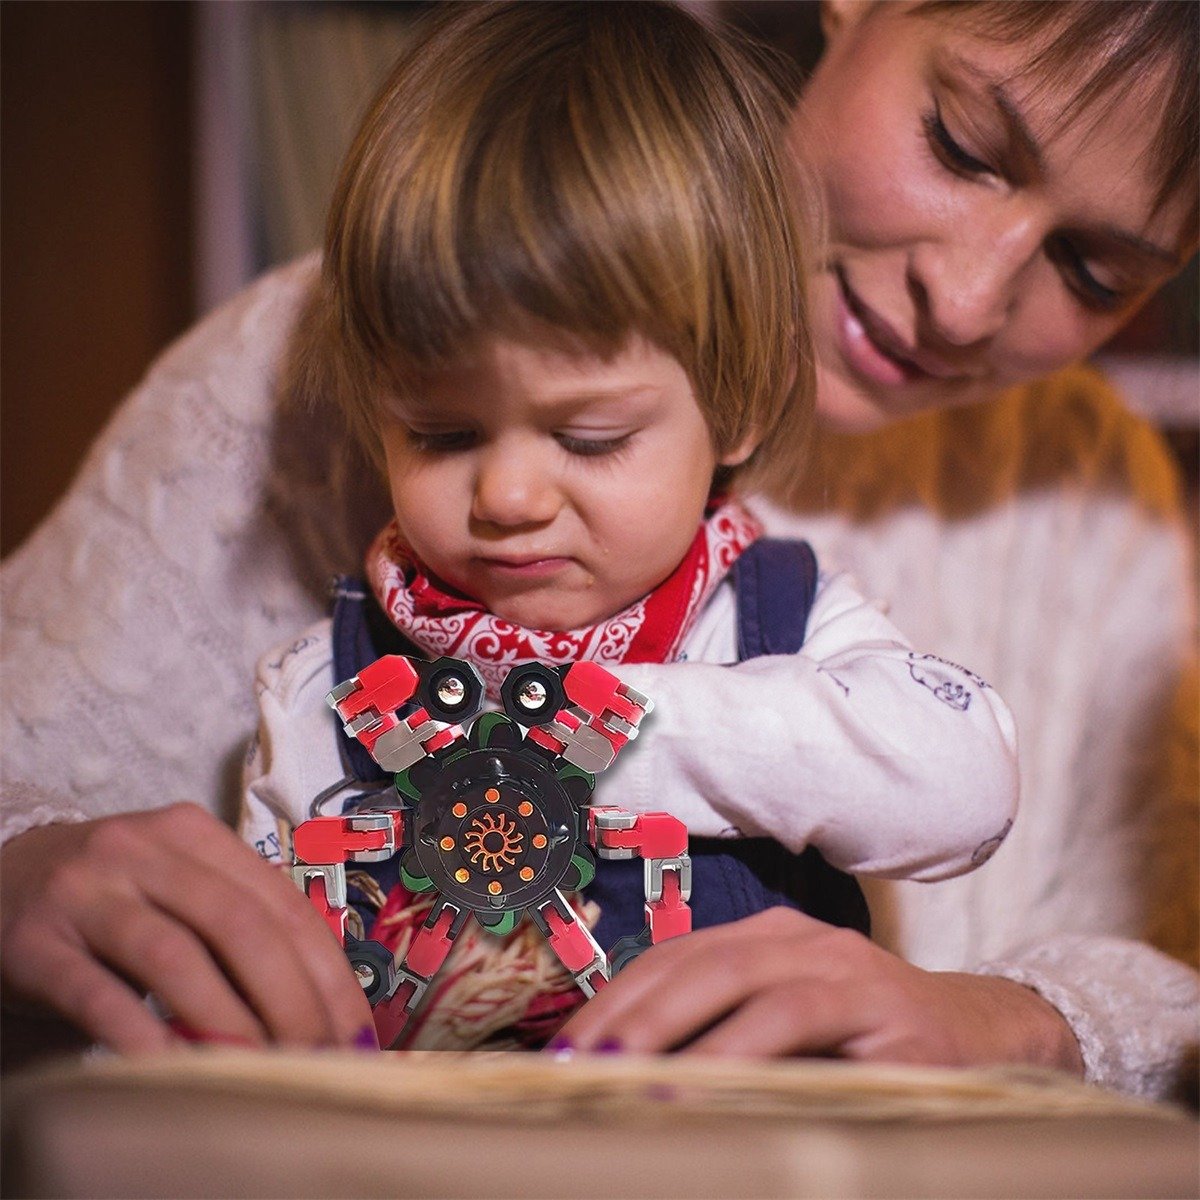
{"points": [[447, 843], [539, 840], [525, 809], [527, 873], [459, 810], [462, 875], [491, 795], [495, 888]]}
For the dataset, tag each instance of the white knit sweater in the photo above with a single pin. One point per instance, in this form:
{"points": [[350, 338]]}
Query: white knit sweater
{"points": [[1036, 539]]}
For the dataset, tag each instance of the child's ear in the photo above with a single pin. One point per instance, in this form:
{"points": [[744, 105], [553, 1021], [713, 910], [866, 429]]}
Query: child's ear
{"points": [[737, 454]]}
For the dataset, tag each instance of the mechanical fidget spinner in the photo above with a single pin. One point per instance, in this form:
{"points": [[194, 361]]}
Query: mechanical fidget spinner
{"points": [[497, 819]]}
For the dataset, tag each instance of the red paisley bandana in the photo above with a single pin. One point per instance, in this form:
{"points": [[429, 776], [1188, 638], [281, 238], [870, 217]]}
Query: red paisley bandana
{"points": [[653, 629]]}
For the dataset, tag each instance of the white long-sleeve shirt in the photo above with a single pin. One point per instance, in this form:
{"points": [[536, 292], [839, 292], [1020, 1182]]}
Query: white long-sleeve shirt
{"points": [[857, 744], [1038, 538]]}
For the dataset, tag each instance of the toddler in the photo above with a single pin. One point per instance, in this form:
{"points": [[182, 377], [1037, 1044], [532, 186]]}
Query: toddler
{"points": [[562, 308]]}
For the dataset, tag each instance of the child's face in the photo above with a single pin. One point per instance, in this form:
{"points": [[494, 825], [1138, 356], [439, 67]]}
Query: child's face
{"points": [[557, 488]]}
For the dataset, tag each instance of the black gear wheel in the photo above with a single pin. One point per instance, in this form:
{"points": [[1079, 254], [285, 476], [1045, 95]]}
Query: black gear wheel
{"points": [[374, 965]]}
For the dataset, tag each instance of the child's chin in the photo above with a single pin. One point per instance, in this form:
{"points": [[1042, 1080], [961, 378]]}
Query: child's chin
{"points": [[551, 616]]}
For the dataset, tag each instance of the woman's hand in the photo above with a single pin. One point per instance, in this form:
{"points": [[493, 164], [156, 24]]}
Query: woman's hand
{"points": [[782, 983], [171, 902]]}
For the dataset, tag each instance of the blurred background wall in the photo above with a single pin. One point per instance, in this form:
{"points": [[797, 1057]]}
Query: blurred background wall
{"points": [[157, 156], [95, 226]]}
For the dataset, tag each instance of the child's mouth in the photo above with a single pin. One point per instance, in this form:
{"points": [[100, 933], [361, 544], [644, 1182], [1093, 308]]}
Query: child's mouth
{"points": [[525, 568]]}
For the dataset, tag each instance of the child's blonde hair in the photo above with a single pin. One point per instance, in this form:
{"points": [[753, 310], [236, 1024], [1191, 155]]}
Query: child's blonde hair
{"points": [[582, 170]]}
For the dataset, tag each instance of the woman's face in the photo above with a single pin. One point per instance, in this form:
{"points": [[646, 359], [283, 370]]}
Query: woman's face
{"points": [[973, 244]]}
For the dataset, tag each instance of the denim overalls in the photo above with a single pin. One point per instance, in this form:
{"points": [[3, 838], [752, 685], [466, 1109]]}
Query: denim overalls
{"points": [[775, 582]]}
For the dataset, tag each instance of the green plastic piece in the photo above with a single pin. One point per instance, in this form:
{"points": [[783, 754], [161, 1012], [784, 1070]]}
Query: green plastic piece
{"points": [[416, 883], [486, 725], [503, 927], [585, 870], [405, 787], [570, 770]]}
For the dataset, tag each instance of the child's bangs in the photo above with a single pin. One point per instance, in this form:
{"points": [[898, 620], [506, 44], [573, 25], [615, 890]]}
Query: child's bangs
{"points": [[517, 212], [583, 170]]}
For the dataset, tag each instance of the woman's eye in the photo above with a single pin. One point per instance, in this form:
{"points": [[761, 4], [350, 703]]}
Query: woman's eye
{"points": [[591, 447], [1066, 255], [948, 150], [441, 442]]}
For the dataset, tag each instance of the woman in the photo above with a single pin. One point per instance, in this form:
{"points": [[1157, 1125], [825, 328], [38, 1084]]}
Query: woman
{"points": [[965, 256], [998, 205]]}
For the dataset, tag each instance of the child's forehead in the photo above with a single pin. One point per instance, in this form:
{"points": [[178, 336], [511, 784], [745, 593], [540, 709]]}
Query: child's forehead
{"points": [[558, 373]]}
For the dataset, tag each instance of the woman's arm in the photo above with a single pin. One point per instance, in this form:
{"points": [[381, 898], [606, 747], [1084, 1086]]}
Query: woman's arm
{"points": [[134, 614], [132, 620], [891, 762], [95, 915], [780, 982]]}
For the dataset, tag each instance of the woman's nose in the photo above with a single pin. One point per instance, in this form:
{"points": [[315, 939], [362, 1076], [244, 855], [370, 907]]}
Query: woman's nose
{"points": [[966, 281], [515, 486]]}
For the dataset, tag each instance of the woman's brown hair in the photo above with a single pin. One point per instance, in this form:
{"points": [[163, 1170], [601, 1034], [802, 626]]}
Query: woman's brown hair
{"points": [[584, 170], [1100, 46]]}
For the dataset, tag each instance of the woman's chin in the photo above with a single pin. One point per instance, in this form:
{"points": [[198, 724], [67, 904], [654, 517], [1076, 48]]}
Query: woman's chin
{"points": [[847, 408]]}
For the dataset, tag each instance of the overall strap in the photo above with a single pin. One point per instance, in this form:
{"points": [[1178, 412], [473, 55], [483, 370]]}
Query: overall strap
{"points": [[776, 583], [361, 633]]}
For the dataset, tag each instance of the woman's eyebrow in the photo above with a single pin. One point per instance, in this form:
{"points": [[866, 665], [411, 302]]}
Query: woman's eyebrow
{"points": [[1019, 133], [1027, 145], [1139, 245], [1025, 142], [985, 83]]}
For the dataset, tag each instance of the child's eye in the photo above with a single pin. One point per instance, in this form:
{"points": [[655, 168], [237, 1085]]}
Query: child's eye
{"points": [[591, 447], [948, 151], [441, 442], [1068, 258]]}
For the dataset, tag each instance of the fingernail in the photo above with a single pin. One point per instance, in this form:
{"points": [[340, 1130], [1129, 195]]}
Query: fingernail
{"points": [[560, 1047], [208, 1037], [608, 1046], [366, 1038]]}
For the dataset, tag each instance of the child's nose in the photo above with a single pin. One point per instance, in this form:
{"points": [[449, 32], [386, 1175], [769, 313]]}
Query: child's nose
{"points": [[514, 487]]}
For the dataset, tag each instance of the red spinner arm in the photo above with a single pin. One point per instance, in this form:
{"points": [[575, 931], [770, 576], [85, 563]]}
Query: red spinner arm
{"points": [[368, 705], [602, 716], [661, 840], [369, 702], [322, 846]]}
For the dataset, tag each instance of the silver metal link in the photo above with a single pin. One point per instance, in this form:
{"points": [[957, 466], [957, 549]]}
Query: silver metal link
{"points": [[583, 978], [610, 821], [420, 985], [337, 694], [364, 721], [367, 822], [653, 875], [640, 699], [621, 726], [399, 748], [583, 747], [334, 875], [615, 820]]}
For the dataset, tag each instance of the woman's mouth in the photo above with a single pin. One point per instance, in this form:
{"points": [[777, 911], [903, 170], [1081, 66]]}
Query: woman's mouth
{"points": [[873, 350]]}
